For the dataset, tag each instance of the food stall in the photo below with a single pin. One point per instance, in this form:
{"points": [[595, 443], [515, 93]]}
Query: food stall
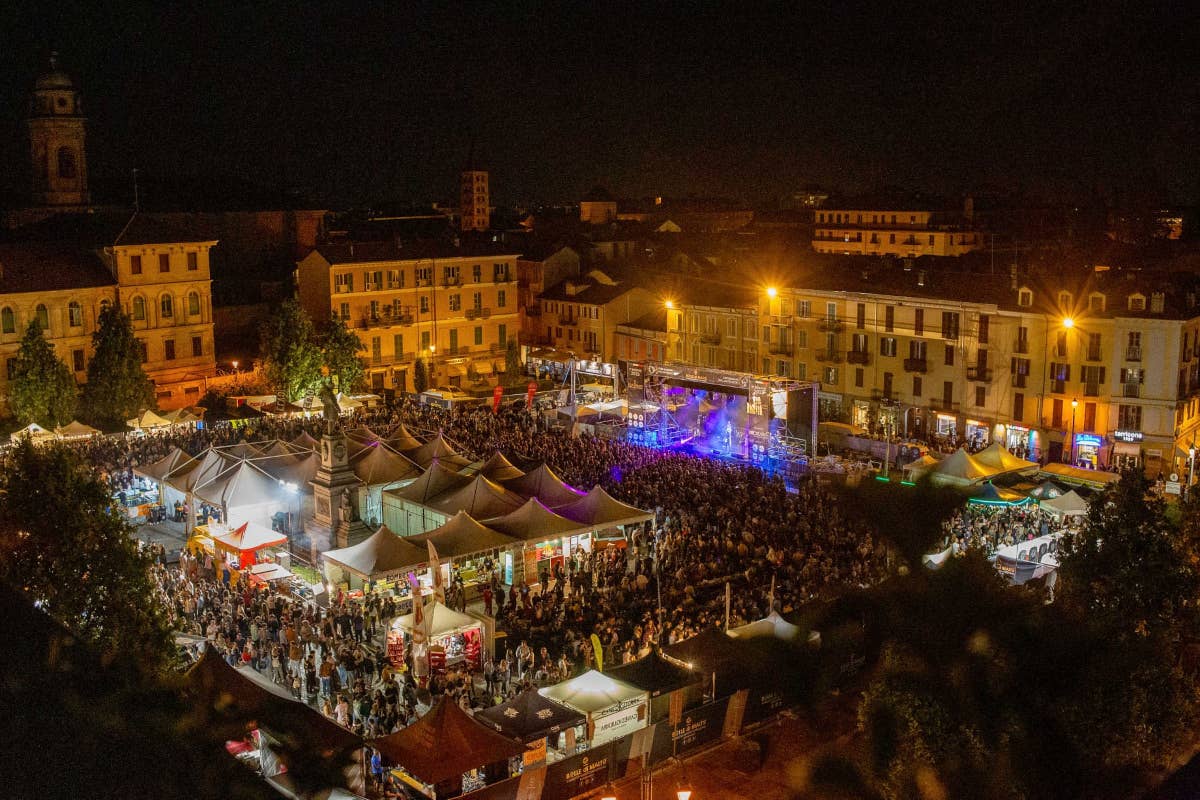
{"points": [[240, 548], [461, 637], [406, 509], [75, 430], [34, 433], [604, 514], [613, 708], [548, 729], [472, 548], [244, 493], [377, 563], [548, 539]]}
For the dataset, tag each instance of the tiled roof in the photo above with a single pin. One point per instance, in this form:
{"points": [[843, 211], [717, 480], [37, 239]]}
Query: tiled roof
{"points": [[365, 252], [48, 266], [110, 228], [589, 292]]}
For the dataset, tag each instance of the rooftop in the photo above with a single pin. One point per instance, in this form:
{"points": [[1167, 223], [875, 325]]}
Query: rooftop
{"points": [[49, 266], [366, 252]]}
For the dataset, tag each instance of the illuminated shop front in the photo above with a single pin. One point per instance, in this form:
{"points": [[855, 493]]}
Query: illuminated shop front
{"points": [[1087, 449], [1127, 449], [946, 425], [978, 433]]}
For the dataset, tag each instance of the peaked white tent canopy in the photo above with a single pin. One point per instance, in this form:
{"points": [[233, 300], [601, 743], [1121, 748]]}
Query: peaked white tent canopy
{"points": [[146, 420], [445, 620], [76, 430], [771, 625], [380, 555], [600, 509], [463, 536], [592, 691], [481, 498], [244, 493], [33, 431], [1066, 505], [496, 468], [995, 456], [960, 469], [438, 448], [159, 470], [533, 522]]}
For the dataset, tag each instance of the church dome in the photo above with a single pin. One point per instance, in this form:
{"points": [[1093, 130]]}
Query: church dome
{"points": [[53, 77]]}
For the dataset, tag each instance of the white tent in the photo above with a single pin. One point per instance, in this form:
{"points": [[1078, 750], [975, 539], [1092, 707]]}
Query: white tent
{"points": [[76, 430], [380, 555], [960, 468], [771, 625], [996, 457], [613, 708], [147, 419], [244, 493], [35, 432], [1067, 505]]}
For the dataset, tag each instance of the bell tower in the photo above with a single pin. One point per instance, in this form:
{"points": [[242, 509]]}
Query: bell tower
{"points": [[56, 139]]}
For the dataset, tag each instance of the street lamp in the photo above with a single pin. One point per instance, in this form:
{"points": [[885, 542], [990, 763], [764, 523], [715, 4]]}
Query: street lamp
{"points": [[1074, 406], [1068, 323], [669, 304], [772, 291]]}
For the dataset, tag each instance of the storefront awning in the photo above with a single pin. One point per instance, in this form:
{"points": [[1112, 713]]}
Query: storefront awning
{"points": [[456, 369], [483, 367], [1127, 449]]}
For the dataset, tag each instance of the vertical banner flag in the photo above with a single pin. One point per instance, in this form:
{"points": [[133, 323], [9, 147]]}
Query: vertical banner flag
{"points": [[530, 391], [418, 631], [497, 393], [439, 589], [599, 653]]}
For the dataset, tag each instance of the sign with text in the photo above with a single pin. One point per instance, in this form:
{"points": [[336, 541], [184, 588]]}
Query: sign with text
{"points": [[698, 726], [580, 773], [1129, 436]]}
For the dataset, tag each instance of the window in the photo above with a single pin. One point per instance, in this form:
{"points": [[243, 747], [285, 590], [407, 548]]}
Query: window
{"points": [[1018, 411], [1020, 371], [858, 377], [918, 321], [1025, 298], [949, 355], [891, 238], [450, 275], [344, 310], [169, 349], [8, 320], [453, 340], [1060, 344], [829, 375], [77, 362], [425, 340], [74, 314], [143, 352], [1056, 413], [1095, 302], [456, 302], [984, 328], [193, 262], [343, 283], [194, 303], [980, 395], [918, 386], [803, 308], [501, 299], [499, 273], [478, 334], [889, 318], [1064, 302], [502, 335], [164, 262], [135, 265], [395, 279], [887, 346], [139, 308], [424, 276], [43, 317], [166, 306], [931, 240], [831, 312], [802, 338], [860, 316], [424, 304], [1129, 418], [476, 300], [948, 393], [1089, 416], [1137, 302], [949, 324], [1093, 347], [858, 343], [197, 347], [398, 345], [477, 273], [916, 350]]}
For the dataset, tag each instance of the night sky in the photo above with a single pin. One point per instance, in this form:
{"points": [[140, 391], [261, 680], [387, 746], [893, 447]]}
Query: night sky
{"points": [[749, 100]]}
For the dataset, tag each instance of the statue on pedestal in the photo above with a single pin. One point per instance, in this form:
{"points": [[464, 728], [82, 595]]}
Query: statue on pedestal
{"points": [[329, 408]]}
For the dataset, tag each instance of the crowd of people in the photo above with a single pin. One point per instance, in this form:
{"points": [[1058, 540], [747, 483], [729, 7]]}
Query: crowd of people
{"points": [[715, 523]]}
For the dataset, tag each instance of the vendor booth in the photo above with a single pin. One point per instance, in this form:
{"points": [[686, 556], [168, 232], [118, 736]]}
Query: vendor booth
{"points": [[771, 625], [446, 752], [460, 637], [380, 559], [401, 440], [470, 546], [238, 548], [438, 448], [660, 677], [1091, 478], [539, 723], [305, 441], [989, 494], [76, 430], [548, 539], [996, 457], [147, 420], [545, 485], [613, 708], [243, 492], [406, 509], [496, 468], [1031, 559], [960, 469], [34, 433], [1065, 505], [606, 515], [180, 482], [379, 468]]}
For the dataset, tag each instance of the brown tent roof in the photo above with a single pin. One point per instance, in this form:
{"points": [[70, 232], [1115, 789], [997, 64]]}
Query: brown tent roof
{"points": [[444, 744], [533, 522], [598, 507], [481, 498], [377, 465], [437, 480], [497, 468], [402, 439], [306, 440], [545, 485], [438, 448], [462, 536], [382, 553], [164, 466]]}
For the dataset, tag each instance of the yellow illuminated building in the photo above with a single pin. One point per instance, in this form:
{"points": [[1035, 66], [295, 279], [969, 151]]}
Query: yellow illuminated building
{"points": [[897, 232]]}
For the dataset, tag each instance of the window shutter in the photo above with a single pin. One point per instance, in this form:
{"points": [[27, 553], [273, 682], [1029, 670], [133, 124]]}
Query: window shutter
{"points": [[1124, 374], [1102, 375]]}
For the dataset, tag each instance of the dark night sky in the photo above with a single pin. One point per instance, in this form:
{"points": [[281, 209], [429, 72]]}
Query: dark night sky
{"points": [[747, 100]]}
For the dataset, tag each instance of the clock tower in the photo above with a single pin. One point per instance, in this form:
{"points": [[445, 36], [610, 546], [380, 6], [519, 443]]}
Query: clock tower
{"points": [[56, 141]]}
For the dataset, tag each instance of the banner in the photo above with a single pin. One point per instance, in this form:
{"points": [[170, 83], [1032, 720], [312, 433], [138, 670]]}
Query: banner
{"points": [[530, 391], [579, 774], [599, 650], [698, 726], [497, 393]]}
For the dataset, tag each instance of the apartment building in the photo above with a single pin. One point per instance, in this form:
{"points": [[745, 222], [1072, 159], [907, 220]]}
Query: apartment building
{"points": [[1103, 375], [884, 229], [580, 315], [454, 307]]}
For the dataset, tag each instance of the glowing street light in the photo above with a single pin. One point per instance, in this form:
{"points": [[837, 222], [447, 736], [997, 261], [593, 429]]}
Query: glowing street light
{"points": [[669, 304], [235, 366], [772, 291], [1068, 322]]}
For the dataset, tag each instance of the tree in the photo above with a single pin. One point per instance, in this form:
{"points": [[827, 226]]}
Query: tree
{"points": [[420, 376], [340, 349], [512, 360], [289, 357], [42, 388], [117, 387], [61, 540]]}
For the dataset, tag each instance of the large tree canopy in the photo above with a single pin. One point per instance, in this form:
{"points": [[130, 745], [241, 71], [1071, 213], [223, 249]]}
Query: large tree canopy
{"points": [[340, 347], [288, 354], [42, 388], [117, 387]]}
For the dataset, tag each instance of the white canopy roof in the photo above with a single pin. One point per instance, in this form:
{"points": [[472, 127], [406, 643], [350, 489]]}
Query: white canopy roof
{"points": [[246, 537], [147, 419], [592, 691], [445, 620], [33, 431], [75, 430], [243, 484], [1066, 505], [997, 457], [772, 625], [382, 553]]}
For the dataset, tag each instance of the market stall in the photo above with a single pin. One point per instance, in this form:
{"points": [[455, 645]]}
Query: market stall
{"points": [[606, 515], [244, 492], [76, 430], [33, 432], [147, 420], [380, 559], [548, 540], [406, 509], [545, 485], [481, 498], [496, 468], [235, 548], [713, 653], [661, 677], [305, 441], [549, 730], [446, 752], [960, 469], [460, 637], [181, 482], [441, 450], [613, 708], [379, 468], [989, 494], [1065, 505], [771, 625], [473, 548], [995, 456]]}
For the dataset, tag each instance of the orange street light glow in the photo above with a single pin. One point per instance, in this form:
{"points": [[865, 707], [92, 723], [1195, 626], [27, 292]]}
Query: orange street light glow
{"points": [[772, 291]]}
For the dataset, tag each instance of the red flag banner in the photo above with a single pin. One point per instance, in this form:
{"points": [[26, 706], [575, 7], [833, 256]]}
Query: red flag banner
{"points": [[497, 393], [530, 391]]}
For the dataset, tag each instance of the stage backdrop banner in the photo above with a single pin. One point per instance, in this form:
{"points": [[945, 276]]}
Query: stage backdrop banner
{"points": [[580, 773], [699, 726]]}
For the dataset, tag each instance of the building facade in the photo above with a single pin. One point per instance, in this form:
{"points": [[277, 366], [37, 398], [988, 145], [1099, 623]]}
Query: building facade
{"points": [[581, 315], [905, 232], [57, 139], [455, 308], [473, 200]]}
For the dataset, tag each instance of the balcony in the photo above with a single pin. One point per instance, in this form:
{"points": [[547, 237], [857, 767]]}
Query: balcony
{"points": [[404, 357], [981, 374], [369, 286], [395, 285], [831, 326], [1092, 355], [1019, 381], [478, 313], [451, 281], [591, 348], [710, 338], [1131, 390], [1091, 390], [829, 357], [343, 288], [459, 350], [942, 404], [858, 357], [783, 349], [568, 320], [1133, 353], [916, 365], [1021, 347], [776, 319]]}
